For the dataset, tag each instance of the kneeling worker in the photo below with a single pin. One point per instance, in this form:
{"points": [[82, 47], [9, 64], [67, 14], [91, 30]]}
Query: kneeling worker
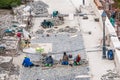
{"points": [[65, 59], [49, 61], [27, 62], [77, 60]]}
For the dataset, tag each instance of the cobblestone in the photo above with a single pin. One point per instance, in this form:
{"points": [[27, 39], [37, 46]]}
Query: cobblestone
{"points": [[39, 8], [60, 43], [63, 42], [58, 73]]}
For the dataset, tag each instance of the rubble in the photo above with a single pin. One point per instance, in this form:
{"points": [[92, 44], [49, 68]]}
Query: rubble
{"points": [[10, 44], [56, 21], [5, 20], [50, 30], [69, 30], [40, 31], [39, 8], [5, 62]]}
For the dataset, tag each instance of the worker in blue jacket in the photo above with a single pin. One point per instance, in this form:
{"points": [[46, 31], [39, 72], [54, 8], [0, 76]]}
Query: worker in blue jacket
{"points": [[27, 62]]}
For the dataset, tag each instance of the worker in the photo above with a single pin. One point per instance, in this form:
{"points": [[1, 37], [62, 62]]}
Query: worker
{"points": [[65, 59], [49, 61], [77, 60], [55, 13], [27, 43], [112, 20], [19, 35], [27, 62]]}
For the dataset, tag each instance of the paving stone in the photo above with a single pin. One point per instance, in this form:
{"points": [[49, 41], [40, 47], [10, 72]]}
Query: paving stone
{"points": [[61, 43]]}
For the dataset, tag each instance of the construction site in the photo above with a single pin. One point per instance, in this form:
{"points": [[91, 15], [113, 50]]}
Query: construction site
{"points": [[37, 29]]}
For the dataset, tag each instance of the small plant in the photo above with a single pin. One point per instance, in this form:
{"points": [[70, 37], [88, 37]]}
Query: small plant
{"points": [[8, 4]]}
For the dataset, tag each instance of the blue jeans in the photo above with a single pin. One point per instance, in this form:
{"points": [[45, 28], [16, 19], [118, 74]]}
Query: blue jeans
{"points": [[64, 62]]}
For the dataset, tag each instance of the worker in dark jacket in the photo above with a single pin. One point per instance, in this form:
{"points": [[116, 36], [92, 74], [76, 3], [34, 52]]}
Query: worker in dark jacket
{"points": [[49, 61]]}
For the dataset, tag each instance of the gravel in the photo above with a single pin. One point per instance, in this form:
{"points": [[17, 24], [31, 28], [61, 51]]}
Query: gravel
{"points": [[39, 8]]}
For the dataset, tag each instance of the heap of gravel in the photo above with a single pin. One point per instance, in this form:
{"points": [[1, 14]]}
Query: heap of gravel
{"points": [[56, 21], [39, 8], [69, 30], [40, 31], [6, 20], [50, 30], [11, 74]]}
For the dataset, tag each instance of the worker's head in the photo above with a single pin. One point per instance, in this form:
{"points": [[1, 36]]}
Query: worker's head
{"points": [[78, 55], [64, 53], [50, 56], [44, 20], [25, 57]]}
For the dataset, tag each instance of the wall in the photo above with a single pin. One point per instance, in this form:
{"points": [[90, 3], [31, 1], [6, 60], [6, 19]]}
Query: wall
{"points": [[114, 42]]}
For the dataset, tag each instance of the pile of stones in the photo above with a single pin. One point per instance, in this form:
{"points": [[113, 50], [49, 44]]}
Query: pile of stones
{"points": [[110, 75], [56, 21], [69, 30], [5, 20], [40, 31], [39, 8], [8, 71], [50, 31]]}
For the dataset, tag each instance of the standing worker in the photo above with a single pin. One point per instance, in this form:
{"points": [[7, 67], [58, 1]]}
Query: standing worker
{"points": [[19, 35]]}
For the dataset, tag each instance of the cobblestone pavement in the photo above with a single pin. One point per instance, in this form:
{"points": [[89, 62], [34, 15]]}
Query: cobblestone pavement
{"points": [[58, 73], [60, 43], [63, 42]]}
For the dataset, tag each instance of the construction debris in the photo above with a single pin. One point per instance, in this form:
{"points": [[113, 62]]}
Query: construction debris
{"points": [[40, 31], [39, 8], [5, 62], [5, 20], [56, 21], [111, 75], [69, 30]]}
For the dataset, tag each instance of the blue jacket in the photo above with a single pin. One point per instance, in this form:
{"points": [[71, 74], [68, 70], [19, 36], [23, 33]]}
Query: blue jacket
{"points": [[26, 62]]}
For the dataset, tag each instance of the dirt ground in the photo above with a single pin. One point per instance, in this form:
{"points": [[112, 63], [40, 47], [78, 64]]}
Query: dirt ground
{"points": [[5, 11]]}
